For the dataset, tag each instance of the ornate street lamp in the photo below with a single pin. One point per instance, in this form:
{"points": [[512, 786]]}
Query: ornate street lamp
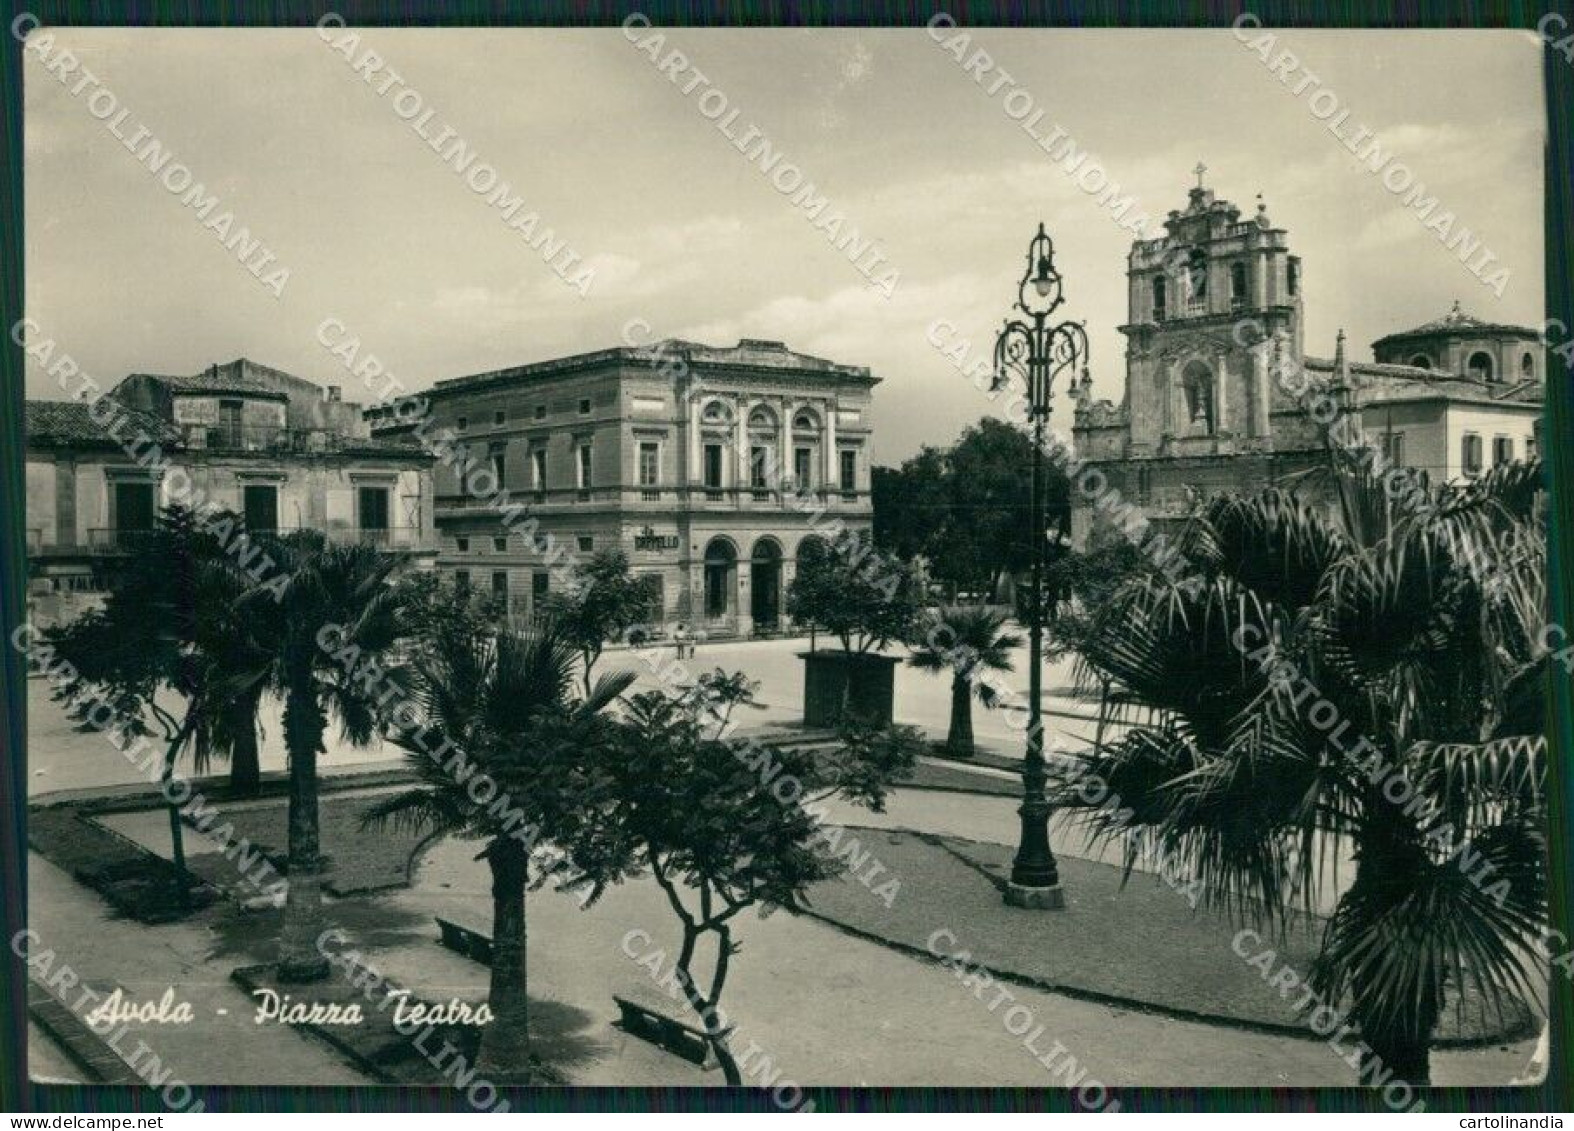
{"points": [[1035, 352]]}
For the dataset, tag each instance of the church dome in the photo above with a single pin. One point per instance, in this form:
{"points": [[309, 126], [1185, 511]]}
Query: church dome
{"points": [[1460, 343]]}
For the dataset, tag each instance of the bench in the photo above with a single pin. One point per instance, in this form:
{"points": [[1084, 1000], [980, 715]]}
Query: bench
{"points": [[644, 1014], [462, 940]]}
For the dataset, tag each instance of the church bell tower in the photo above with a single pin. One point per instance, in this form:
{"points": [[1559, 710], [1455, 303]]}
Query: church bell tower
{"points": [[1199, 300]]}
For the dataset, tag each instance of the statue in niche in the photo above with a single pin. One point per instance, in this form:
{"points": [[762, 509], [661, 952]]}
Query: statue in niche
{"points": [[1197, 388]]}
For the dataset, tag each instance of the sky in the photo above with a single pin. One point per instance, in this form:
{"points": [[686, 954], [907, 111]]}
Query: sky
{"points": [[686, 235]]}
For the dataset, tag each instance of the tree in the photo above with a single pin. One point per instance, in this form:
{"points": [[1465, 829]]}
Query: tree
{"points": [[603, 601], [863, 598], [169, 626], [1371, 680], [909, 505], [334, 616], [965, 508], [691, 808], [504, 707], [968, 642], [1081, 585]]}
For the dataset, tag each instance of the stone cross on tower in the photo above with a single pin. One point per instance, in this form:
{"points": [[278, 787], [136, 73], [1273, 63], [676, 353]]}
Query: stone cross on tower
{"points": [[1200, 170]]}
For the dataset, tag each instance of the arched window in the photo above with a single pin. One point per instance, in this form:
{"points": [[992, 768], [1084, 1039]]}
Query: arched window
{"points": [[1421, 361], [805, 421], [1197, 390], [721, 564], [716, 413], [1238, 284], [1293, 276], [1480, 365], [762, 419], [1527, 366], [1159, 298], [1197, 276]]}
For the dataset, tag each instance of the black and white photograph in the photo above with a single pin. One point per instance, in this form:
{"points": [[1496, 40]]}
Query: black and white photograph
{"points": [[792, 558]]}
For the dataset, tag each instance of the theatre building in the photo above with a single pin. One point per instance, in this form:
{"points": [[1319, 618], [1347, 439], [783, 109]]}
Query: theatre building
{"points": [[709, 467]]}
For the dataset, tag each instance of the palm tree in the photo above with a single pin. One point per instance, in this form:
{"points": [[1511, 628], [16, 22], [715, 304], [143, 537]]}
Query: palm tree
{"points": [[333, 617], [500, 709], [170, 627], [1368, 682], [967, 641]]}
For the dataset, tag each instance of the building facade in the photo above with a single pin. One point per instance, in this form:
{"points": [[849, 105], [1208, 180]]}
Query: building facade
{"points": [[709, 468], [1215, 322], [280, 452]]}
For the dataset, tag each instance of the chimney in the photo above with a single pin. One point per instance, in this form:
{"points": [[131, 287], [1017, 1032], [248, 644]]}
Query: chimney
{"points": [[335, 394]]}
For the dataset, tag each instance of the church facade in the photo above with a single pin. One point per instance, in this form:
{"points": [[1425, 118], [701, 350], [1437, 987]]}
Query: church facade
{"points": [[1218, 380]]}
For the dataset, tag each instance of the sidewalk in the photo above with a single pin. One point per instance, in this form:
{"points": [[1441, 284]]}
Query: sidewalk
{"points": [[195, 957]]}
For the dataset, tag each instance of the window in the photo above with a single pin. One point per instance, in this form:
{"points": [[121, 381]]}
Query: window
{"points": [[1421, 361], [230, 432], [656, 586], [374, 508], [712, 471], [500, 465], [584, 406], [538, 470], [757, 480], [1160, 287], [1237, 285], [540, 586], [1527, 366], [1502, 449], [1471, 453], [461, 424], [1293, 276], [1480, 366], [500, 586], [1196, 278], [649, 469], [500, 544], [1394, 449], [133, 506], [586, 543], [260, 502], [462, 580], [802, 467], [849, 469], [584, 471], [541, 412], [462, 545], [499, 416]]}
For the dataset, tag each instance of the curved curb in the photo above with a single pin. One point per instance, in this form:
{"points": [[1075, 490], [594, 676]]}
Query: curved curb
{"points": [[1520, 1032]]}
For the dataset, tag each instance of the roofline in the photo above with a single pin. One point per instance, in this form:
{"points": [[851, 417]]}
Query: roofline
{"points": [[1447, 398], [1486, 329], [626, 355]]}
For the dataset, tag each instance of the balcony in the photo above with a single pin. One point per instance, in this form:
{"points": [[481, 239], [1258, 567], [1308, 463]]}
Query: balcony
{"points": [[402, 539], [102, 540], [268, 440], [383, 539]]}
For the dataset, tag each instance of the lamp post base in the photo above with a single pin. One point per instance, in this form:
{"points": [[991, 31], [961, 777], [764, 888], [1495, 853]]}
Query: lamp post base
{"points": [[1035, 899]]}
